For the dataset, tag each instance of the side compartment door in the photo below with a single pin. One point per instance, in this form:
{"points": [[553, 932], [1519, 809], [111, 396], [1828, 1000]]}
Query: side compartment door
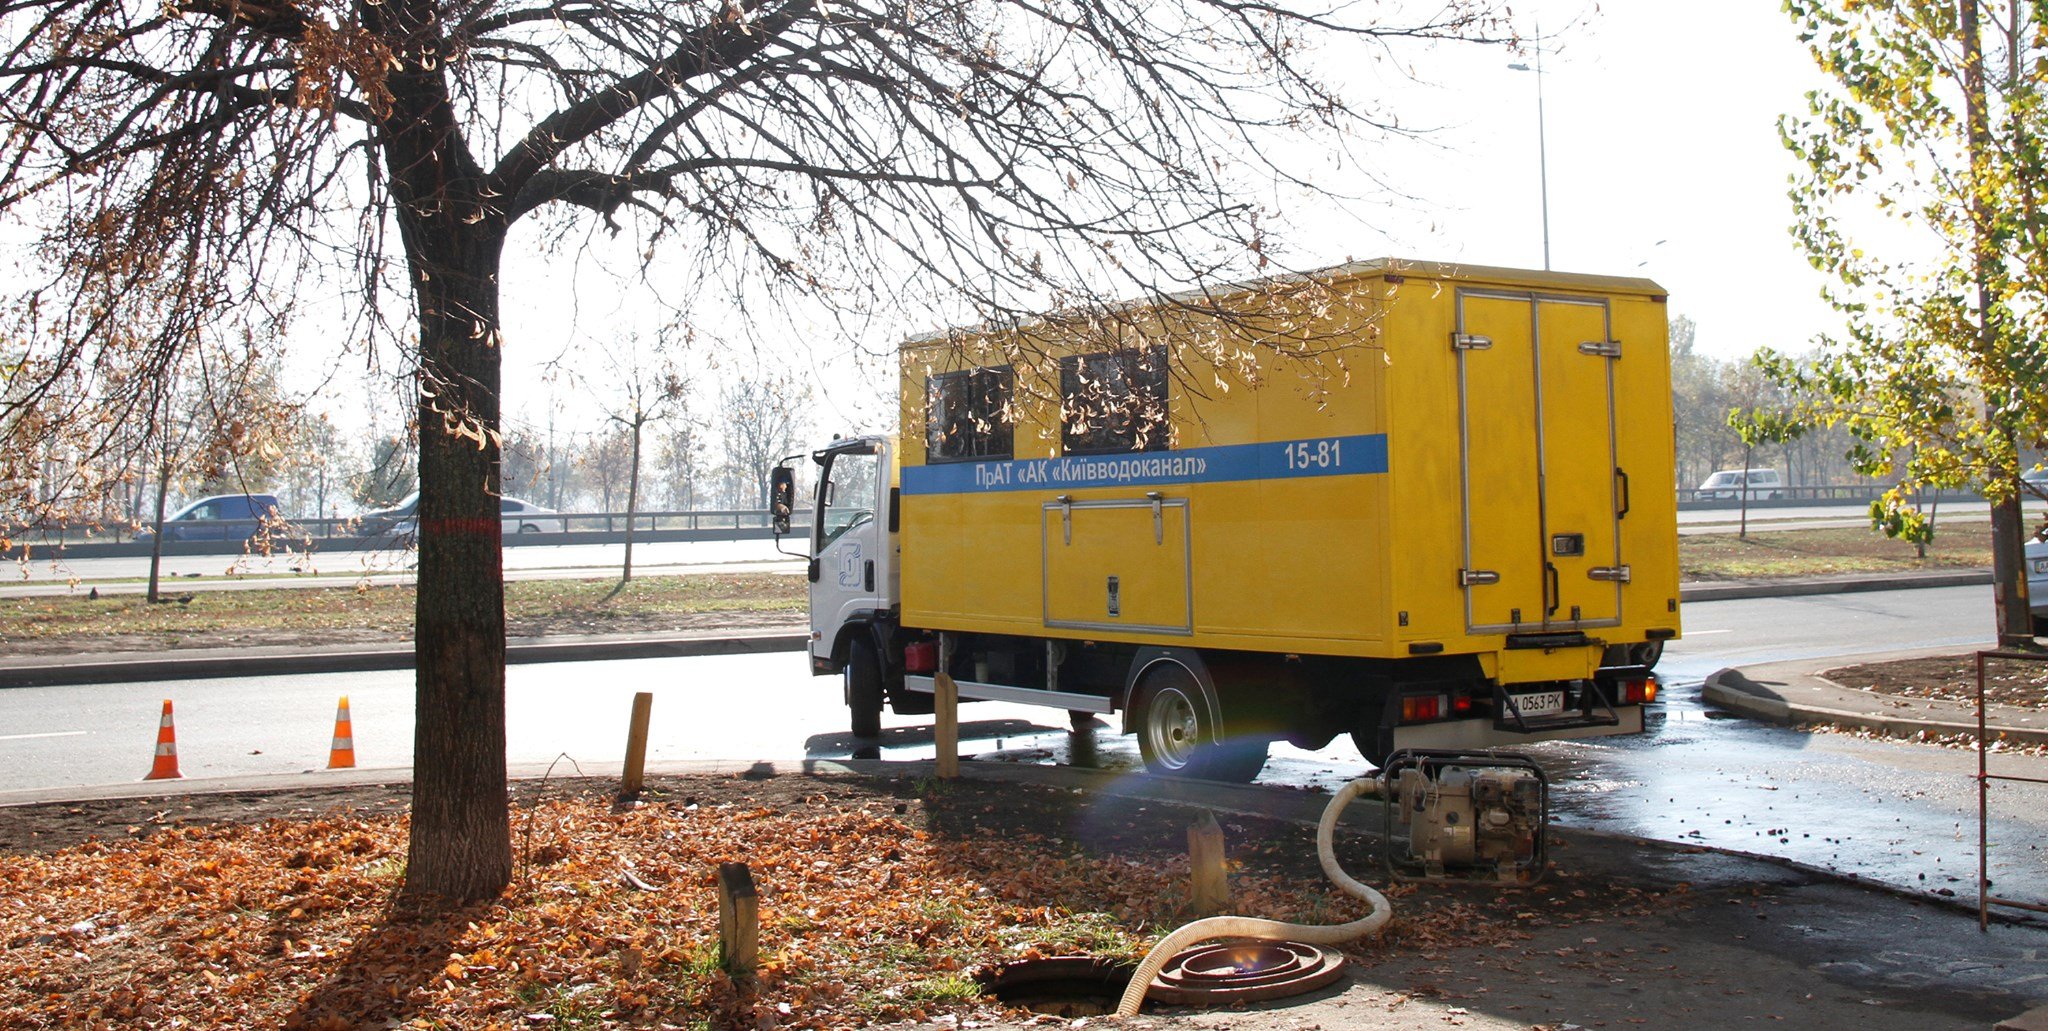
{"points": [[1118, 565], [1501, 446]]}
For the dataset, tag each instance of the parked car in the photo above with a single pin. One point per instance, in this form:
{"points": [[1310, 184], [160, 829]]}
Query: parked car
{"points": [[1764, 485], [520, 516], [2037, 580], [223, 517]]}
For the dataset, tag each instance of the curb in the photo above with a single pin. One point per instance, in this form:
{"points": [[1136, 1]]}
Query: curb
{"points": [[1699, 591], [1734, 689], [147, 666]]}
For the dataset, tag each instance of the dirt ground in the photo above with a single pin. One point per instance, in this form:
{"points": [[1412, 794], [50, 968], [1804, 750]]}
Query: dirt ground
{"points": [[1096, 842], [536, 627], [1952, 678], [1618, 937]]}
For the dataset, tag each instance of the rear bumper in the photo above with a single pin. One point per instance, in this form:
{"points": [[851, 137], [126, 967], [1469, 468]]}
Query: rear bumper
{"points": [[1482, 733]]}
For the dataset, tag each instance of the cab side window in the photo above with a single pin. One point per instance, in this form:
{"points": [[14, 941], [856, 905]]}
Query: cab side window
{"points": [[967, 415], [1113, 402]]}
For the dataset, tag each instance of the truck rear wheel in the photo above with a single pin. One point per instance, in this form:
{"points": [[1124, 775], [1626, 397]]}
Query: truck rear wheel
{"points": [[1174, 733], [864, 687]]}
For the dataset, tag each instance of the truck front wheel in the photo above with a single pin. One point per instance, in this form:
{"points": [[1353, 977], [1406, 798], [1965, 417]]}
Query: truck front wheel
{"points": [[864, 687], [1174, 733]]}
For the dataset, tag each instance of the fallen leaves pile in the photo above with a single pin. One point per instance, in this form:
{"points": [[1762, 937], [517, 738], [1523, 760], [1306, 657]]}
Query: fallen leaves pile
{"points": [[870, 910], [1951, 678]]}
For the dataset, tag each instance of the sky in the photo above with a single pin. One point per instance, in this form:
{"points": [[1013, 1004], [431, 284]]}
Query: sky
{"points": [[1660, 139]]}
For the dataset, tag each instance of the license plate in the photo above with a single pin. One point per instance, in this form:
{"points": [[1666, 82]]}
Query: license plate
{"points": [[1539, 703]]}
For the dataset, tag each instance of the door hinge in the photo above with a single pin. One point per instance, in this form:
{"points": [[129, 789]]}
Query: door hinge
{"points": [[1470, 342], [1477, 577], [1615, 574], [1601, 348]]}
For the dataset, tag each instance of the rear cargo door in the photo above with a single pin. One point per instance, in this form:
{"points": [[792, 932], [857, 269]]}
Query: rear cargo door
{"points": [[1537, 437]]}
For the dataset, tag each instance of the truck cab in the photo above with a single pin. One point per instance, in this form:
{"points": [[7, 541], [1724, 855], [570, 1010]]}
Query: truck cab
{"points": [[853, 548]]}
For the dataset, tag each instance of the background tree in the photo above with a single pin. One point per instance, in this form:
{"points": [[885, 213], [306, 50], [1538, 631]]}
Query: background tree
{"points": [[1932, 118], [392, 472], [760, 421], [636, 388], [990, 159], [1756, 428]]}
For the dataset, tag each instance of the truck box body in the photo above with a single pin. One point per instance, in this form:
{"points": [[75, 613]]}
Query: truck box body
{"points": [[1448, 463], [1427, 505]]}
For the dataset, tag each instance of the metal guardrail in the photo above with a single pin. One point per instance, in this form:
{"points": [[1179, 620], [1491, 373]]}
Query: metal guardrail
{"points": [[552, 524], [1801, 497]]}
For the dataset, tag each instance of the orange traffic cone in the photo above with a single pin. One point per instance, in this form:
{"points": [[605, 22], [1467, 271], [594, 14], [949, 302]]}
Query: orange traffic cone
{"points": [[166, 765], [342, 754]]}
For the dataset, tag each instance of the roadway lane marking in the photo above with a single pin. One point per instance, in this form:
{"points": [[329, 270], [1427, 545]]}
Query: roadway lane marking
{"points": [[59, 733], [1703, 633]]}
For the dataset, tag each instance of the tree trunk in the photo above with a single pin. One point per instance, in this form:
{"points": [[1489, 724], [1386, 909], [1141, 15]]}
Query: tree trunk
{"points": [[2010, 605], [632, 498], [453, 227], [461, 845], [156, 540], [1743, 493]]}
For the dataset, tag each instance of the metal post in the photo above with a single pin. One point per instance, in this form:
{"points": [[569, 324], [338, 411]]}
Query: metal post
{"points": [[1542, 149], [946, 706]]}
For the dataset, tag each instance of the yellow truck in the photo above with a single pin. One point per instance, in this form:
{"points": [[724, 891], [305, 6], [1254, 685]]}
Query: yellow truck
{"points": [[1436, 513]]}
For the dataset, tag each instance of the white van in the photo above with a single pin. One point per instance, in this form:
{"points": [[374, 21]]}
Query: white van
{"points": [[1764, 485]]}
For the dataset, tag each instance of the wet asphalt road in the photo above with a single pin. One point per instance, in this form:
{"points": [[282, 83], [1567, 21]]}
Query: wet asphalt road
{"points": [[1903, 814]]}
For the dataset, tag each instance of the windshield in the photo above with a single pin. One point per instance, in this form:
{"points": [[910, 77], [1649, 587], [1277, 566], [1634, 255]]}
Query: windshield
{"points": [[1722, 479]]}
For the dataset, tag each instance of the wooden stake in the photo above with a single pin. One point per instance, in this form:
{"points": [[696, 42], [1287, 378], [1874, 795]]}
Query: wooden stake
{"points": [[1211, 893], [946, 705], [635, 774], [739, 927]]}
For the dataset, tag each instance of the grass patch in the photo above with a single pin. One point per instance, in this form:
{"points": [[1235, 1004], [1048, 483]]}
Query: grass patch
{"points": [[1788, 553], [367, 612]]}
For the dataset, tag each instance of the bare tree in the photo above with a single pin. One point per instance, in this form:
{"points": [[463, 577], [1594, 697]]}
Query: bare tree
{"points": [[635, 388], [995, 158], [760, 421]]}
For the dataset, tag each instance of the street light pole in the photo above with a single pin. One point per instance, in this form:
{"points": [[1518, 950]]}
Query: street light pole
{"points": [[1542, 144]]}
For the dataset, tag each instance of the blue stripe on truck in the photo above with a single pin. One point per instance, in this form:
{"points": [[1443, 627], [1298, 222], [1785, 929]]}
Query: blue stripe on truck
{"points": [[1272, 460]]}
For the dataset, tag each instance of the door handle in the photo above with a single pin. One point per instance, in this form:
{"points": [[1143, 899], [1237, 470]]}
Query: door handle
{"points": [[1622, 475], [1553, 588], [868, 575]]}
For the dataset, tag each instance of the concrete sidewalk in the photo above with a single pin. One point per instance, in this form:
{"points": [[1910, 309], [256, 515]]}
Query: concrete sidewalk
{"points": [[1800, 692]]}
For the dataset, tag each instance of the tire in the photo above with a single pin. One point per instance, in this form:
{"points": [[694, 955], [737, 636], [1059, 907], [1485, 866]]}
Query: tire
{"points": [[864, 687], [1647, 653], [1174, 733], [2040, 626]]}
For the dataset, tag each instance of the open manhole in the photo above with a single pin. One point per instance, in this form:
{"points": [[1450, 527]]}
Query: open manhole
{"points": [[1215, 974], [1063, 986]]}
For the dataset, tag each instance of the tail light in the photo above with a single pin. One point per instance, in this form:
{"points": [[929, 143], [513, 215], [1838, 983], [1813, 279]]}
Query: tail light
{"points": [[921, 656], [1420, 707], [1638, 692]]}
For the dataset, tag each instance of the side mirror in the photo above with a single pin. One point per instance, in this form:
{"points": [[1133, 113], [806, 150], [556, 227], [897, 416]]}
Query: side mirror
{"points": [[781, 497]]}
